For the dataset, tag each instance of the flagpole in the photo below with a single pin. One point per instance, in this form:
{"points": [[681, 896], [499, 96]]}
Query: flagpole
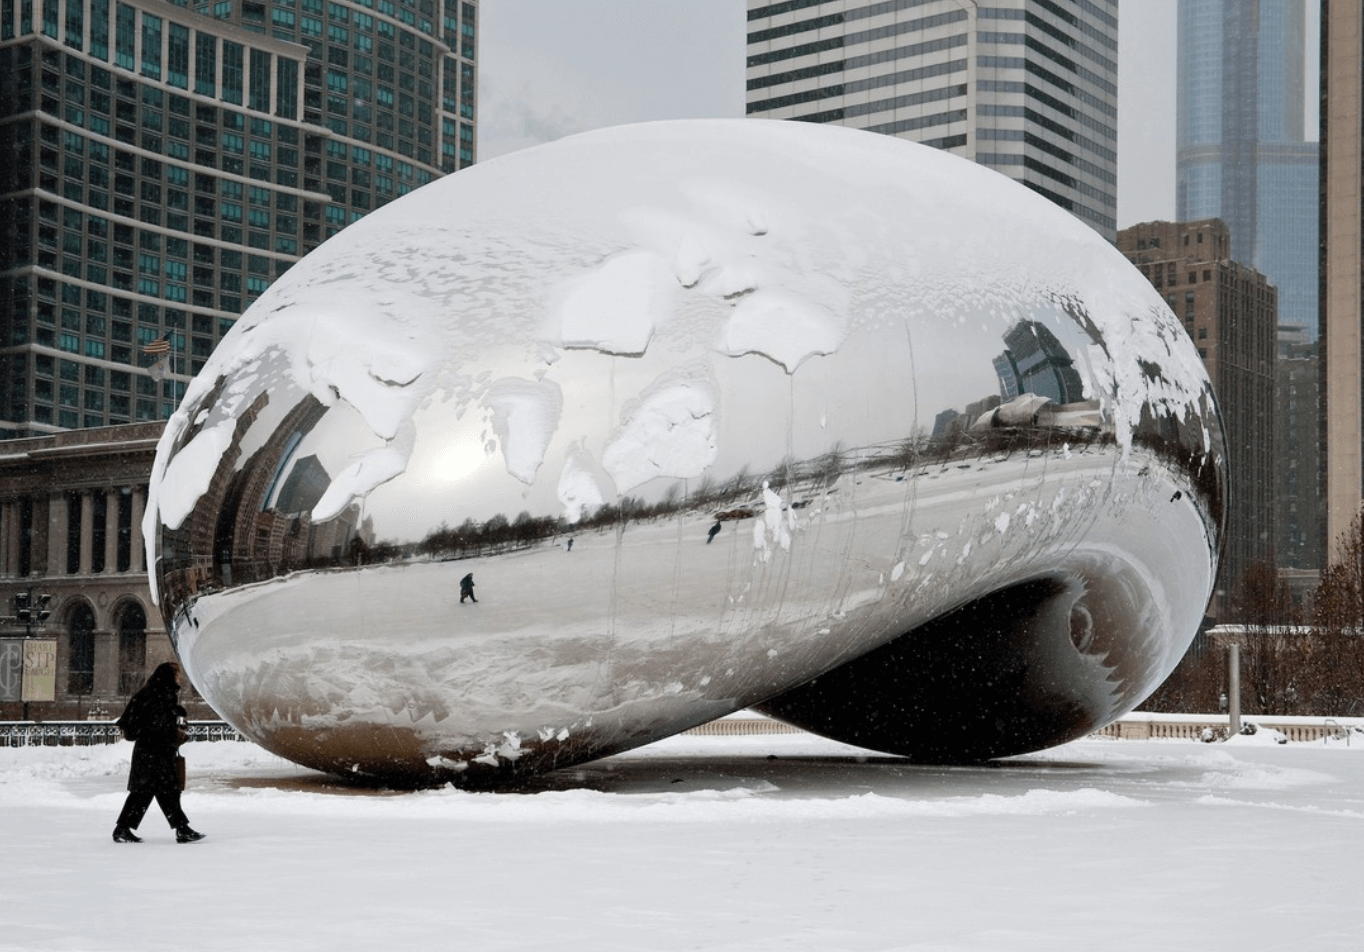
{"points": [[162, 350]]}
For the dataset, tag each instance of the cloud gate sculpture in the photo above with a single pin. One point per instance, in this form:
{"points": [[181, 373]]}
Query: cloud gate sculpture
{"points": [[596, 442]]}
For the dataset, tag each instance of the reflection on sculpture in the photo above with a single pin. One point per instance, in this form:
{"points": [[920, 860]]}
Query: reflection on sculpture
{"points": [[720, 415]]}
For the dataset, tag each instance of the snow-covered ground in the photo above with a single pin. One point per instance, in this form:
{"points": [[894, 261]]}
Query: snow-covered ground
{"points": [[781, 842]]}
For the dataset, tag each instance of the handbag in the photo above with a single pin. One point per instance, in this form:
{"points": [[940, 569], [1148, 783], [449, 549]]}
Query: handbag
{"points": [[179, 772]]}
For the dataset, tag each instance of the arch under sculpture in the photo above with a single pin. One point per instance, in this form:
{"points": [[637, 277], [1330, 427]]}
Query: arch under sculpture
{"points": [[712, 415]]}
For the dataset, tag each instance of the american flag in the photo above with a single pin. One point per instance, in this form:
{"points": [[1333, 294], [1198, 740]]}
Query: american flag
{"points": [[161, 345]]}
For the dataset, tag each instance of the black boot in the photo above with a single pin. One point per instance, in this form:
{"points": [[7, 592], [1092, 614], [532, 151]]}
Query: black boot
{"points": [[185, 835], [124, 835]]}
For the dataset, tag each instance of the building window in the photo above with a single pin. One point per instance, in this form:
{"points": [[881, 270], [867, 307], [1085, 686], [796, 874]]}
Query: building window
{"points": [[99, 28], [73, 533], [75, 25], [177, 56], [81, 666], [125, 37], [286, 88], [260, 80], [125, 530], [99, 514], [151, 46], [205, 64], [233, 65]]}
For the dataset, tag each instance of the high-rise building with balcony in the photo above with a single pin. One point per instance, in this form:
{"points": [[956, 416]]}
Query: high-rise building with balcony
{"points": [[162, 162], [1026, 87], [1241, 155]]}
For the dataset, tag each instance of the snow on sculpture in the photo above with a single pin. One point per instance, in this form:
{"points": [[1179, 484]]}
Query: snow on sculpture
{"points": [[719, 414]]}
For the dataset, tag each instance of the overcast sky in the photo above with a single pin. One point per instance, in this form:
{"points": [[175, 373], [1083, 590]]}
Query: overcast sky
{"points": [[550, 68]]}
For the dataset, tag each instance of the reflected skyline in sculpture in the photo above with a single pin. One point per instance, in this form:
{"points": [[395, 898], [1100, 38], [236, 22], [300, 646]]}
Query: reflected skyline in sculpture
{"points": [[1035, 362], [709, 424]]}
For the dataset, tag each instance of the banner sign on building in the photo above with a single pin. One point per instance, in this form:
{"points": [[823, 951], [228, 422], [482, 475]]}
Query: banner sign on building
{"points": [[40, 670], [11, 668]]}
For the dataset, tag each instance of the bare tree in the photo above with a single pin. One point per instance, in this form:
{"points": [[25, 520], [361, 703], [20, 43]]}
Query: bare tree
{"points": [[1272, 643], [1339, 602], [1292, 661], [1336, 682], [1194, 686]]}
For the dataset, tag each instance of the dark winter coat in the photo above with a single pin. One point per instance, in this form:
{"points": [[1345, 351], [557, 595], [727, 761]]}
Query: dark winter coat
{"points": [[154, 721]]}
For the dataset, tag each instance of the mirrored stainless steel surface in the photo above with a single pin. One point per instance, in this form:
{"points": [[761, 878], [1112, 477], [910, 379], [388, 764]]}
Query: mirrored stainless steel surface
{"points": [[715, 415]]}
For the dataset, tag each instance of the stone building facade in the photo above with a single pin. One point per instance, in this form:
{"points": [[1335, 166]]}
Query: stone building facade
{"points": [[71, 509]]}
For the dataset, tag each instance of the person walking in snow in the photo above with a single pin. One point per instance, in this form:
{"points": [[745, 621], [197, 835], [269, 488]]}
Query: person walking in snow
{"points": [[155, 722], [466, 588]]}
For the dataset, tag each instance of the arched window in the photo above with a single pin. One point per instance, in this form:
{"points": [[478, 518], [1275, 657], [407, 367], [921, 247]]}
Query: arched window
{"points": [[132, 648], [80, 677]]}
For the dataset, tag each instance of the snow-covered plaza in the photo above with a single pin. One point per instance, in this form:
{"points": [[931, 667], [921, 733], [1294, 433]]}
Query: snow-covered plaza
{"points": [[780, 842]]}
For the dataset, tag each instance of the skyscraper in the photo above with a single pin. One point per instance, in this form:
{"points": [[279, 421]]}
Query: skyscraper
{"points": [[162, 165], [1241, 155], [1299, 543], [1027, 87], [1342, 273]]}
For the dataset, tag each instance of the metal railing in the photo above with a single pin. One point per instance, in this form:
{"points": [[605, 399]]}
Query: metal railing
{"points": [[89, 733], [1135, 727], [1296, 731]]}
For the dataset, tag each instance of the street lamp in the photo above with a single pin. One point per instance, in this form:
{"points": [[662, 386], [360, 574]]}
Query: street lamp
{"points": [[32, 613]]}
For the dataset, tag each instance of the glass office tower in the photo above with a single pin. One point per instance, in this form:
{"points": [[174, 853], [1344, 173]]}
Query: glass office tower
{"points": [[1241, 154], [1026, 87], [163, 164]]}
